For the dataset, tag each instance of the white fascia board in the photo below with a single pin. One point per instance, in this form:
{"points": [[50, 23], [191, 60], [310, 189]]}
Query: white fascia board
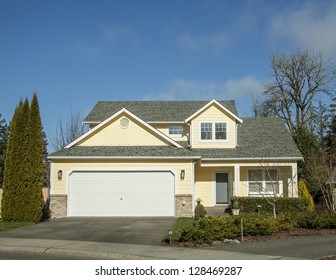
{"points": [[123, 110], [214, 101], [255, 159], [167, 122]]}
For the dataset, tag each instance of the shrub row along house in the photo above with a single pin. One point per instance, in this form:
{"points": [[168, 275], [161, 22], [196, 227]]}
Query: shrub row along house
{"points": [[156, 158]]}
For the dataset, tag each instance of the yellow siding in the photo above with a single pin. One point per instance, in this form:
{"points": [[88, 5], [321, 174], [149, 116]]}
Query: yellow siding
{"points": [[213, 114], [164, 128], [112, 134], [183, 186], [205, 183]]}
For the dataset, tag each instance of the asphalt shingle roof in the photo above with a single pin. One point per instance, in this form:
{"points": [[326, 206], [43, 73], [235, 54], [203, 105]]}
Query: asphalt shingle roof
{"points": [[257, 138], [123, 151], [152, 111]]}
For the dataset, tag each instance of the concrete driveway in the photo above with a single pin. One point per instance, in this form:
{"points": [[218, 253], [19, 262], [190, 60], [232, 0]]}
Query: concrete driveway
{"points": [[131, 230]]}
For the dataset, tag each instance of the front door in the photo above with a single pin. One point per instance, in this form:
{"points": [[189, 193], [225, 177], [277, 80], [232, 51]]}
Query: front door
{"points": [[222, 190]]}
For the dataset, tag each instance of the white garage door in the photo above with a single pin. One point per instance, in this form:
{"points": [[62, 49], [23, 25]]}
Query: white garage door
{"points": [[121, 193]]}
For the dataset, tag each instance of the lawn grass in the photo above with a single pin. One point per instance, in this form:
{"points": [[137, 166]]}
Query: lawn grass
{"points": [[179, 224], [10, 225]]}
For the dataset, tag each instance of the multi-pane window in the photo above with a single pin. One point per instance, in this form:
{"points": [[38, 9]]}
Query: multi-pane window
{"points": [[213, 131], [175, 130], [263, 181], [220, 131], [206, 131]]}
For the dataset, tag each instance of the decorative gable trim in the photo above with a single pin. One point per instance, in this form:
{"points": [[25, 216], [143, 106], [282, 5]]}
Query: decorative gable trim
{"points": [[123, 110], [212, 102]]}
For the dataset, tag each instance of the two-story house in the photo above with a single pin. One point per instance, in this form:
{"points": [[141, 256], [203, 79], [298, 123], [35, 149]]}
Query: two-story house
{"points": [[156, 158]]}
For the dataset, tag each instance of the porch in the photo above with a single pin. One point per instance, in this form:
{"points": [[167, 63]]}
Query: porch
{"points": [[216, 182]]}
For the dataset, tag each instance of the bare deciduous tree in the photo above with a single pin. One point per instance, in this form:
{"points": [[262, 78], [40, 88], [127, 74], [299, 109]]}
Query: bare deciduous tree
{"points": [[299, 79], [67, 131], [321, 170]]}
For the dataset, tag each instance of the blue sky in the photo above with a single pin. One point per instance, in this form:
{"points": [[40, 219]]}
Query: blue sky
{"points": [[74, 53]]}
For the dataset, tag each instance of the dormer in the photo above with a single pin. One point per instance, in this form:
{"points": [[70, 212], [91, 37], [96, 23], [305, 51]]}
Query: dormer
{"points": [[213, 126]]}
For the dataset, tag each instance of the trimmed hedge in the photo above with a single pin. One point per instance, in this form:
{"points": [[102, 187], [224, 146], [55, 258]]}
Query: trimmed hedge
{"points": [[283, 205]]}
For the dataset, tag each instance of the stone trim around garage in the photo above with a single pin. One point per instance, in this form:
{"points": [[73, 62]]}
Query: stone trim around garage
{"points": [[58, 205], [183, 205]]}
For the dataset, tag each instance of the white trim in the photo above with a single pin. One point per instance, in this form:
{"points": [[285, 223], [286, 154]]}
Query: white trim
{"points": [[214, 101], [255, 159], [167, 122], [213, 127], [51, 171], [102, 169], [157, 132]]}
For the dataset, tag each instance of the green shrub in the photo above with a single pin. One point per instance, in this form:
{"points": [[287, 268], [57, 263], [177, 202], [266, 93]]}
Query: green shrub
{"points": [[283, 205], [316, 220], [303, 192]]}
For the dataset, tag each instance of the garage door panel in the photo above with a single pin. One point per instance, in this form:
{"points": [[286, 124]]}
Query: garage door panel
{"points": [[121, 194]]}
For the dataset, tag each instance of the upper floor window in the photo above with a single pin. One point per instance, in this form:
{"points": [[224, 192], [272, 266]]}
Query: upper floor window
{"points": [[215, 131], [176, 131]]}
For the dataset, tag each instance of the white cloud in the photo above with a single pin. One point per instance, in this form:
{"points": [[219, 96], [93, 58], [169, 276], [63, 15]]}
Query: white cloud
{"points": [[181, 89], [106, 36], [215, 42], [312, 26]]}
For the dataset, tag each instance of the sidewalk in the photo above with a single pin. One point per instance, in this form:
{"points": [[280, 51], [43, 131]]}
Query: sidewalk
{"points": [[116, 251]]}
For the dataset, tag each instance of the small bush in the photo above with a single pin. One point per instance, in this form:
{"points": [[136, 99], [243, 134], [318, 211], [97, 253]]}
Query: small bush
{"points": [[304, 193]]}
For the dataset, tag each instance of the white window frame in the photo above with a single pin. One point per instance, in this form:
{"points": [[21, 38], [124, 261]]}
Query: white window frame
{"points": [[213, 131], [264, 181], [175, 127]]}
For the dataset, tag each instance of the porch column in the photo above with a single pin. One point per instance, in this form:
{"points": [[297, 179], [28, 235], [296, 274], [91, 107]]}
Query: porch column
{"points": [[293, 191], [236, 185]]}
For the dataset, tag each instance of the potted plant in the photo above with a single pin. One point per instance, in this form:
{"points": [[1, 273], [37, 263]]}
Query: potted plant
{"points": [[235, 208]]}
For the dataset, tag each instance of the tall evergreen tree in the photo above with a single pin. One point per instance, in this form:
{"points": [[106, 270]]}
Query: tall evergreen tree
{"points": [[36, 163], [13, 206], [4, 134], [24, 165]]}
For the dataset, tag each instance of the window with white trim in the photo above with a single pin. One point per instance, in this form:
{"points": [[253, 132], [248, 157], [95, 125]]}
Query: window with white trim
{"points": [[214, 131], [175, 131], [263, 181]]}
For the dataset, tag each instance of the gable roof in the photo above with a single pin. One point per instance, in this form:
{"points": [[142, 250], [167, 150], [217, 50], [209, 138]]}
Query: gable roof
{"points": [[206, 106], [153, 111], [123, 110], [258, 138]]}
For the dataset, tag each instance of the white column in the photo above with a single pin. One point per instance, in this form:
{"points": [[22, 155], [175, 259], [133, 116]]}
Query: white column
{"points": [[293, 191], [236, 188]]}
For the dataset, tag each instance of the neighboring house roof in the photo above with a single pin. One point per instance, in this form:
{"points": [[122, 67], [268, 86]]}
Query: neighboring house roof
{"points": [[153, 111], [258, 138]]}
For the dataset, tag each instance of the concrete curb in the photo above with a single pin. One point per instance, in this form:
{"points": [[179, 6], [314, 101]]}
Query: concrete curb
{"points": [[117, 251]]}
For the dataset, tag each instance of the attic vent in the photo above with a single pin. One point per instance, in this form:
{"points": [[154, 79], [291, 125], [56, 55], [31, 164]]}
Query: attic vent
{"points": [[124, 122]]}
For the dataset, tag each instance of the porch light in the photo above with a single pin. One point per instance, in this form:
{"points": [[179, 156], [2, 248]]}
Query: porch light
{"points": [[59, 175], [182, 175]]}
